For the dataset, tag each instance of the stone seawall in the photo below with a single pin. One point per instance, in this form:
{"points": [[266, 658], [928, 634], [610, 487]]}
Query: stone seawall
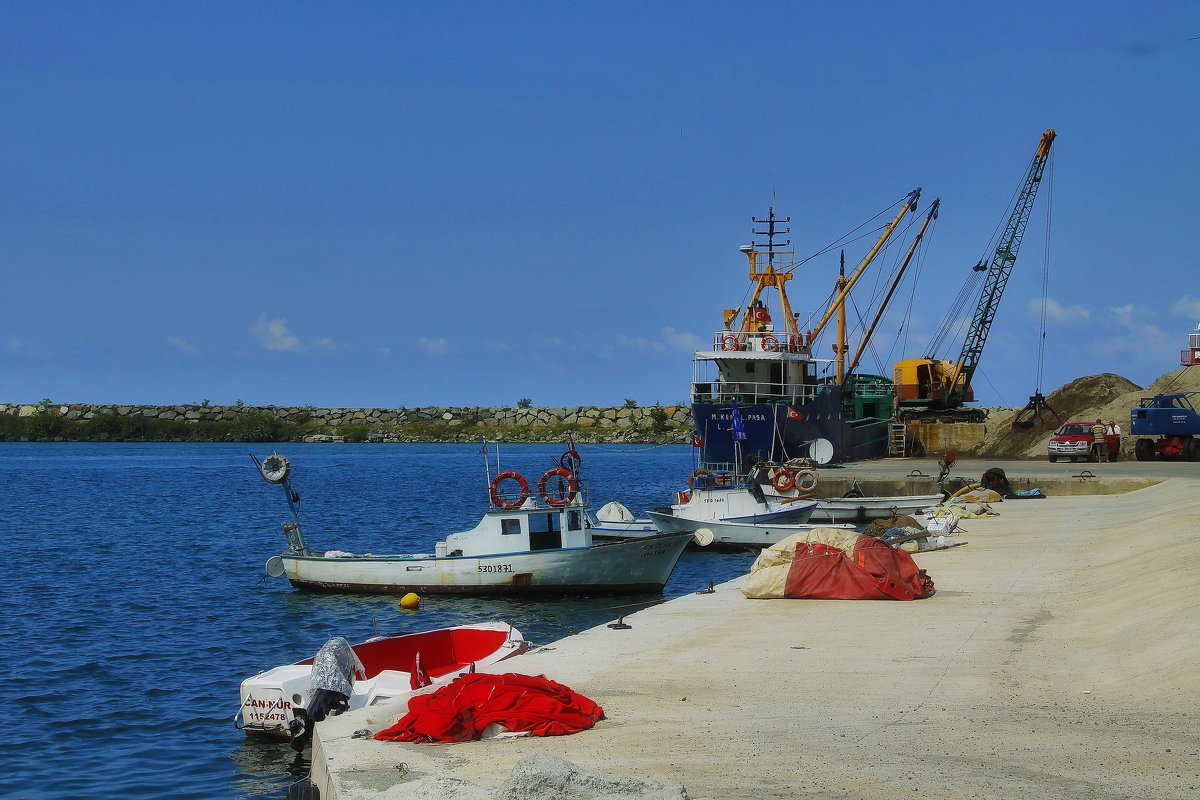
{"points": [[399, 424]]}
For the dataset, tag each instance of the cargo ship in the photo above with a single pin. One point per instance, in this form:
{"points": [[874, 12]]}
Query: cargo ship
{"points": [[758, 394]]}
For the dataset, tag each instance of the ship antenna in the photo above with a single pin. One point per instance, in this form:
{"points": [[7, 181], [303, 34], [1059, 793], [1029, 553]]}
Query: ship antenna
{"points": [[771, 222]]}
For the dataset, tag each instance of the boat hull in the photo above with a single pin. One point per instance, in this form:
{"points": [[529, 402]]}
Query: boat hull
{"points": [[637, 566], [270, 698], [734, 535], [865, 509], [779, 432]]}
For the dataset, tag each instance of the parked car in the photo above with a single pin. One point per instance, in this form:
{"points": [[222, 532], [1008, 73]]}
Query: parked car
{"points": [[1074, 441]]}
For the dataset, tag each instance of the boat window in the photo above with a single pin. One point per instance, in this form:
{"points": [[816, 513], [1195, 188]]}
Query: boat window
{"points": [[510, 526], [749, 367], [543, 532], [574, 521], [543, 523]]}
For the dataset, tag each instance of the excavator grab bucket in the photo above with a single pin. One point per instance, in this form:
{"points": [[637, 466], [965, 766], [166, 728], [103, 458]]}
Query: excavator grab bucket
{"points": [[1037, 412]]}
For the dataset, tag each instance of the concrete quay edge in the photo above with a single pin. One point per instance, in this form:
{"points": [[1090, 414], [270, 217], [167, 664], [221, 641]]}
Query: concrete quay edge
{"points": [[1056, 660]]}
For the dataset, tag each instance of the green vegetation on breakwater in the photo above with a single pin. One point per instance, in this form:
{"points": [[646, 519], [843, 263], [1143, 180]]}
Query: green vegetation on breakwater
{"points": [[47, 421]]}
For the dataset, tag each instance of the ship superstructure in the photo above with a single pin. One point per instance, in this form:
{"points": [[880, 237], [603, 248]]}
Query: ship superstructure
{"points": [[759, 394]]}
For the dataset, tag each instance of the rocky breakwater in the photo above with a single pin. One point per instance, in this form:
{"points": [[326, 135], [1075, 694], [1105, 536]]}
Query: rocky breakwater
{"points": [[48, 421]]}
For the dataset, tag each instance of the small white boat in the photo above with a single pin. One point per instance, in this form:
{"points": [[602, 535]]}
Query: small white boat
{"points": [[722, 534], [274, 701], [865, 509], [711, 497], [521, 546]]}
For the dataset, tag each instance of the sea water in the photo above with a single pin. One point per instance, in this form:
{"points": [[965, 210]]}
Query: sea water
{"points": [[135, 600]]}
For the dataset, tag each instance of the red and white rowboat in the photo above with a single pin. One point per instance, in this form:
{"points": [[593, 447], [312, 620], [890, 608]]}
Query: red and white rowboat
{"points": [[271, 699]]}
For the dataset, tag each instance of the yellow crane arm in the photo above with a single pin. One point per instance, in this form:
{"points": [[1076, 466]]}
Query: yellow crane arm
{"points": [[910, 204]]}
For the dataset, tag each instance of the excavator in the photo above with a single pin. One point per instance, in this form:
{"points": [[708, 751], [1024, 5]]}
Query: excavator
{"points": [[936, 390]]}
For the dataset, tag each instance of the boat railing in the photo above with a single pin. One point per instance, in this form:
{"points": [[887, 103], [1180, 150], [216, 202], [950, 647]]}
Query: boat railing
{"points": [[751, 393], [766, 342]]}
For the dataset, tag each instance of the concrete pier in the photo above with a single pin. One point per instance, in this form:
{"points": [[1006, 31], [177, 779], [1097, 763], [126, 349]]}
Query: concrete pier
{"points": [[1057, 659]]}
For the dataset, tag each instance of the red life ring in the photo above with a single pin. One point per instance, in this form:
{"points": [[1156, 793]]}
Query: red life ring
{"points": [[769, 343], [699, 473], [784, 480], [558, 500], [501, 478], [729, 342]]}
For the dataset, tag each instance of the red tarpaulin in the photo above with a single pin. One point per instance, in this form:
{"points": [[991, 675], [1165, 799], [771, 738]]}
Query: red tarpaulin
{"points": [[873, 571], [840, 568], [459, 712]]}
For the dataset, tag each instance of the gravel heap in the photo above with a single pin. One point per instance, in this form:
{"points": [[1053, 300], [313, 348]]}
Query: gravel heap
{"points": [[1106, 396]]}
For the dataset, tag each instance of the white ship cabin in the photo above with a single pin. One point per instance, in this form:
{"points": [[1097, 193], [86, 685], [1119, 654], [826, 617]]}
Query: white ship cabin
{"points": [[520, 530], [756, 367]]}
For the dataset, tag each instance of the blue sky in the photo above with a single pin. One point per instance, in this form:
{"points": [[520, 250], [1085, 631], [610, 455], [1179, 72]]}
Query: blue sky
{"points": [[400, 204]]}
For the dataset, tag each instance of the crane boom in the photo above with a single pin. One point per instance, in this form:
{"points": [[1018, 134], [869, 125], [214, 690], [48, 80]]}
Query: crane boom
{"points": [[998, 273]]}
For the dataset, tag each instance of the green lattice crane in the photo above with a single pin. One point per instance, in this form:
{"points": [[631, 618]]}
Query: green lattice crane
{"points": [[942, 386]]}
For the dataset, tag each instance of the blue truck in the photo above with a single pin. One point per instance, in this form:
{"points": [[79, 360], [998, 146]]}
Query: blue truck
{"points": [[1172, 418]]}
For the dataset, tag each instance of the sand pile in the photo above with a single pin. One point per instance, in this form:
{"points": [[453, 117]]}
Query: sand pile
{"points": [[1106, 396]]}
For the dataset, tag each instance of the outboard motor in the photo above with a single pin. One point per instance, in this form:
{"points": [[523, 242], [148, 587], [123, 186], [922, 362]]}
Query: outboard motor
{"points": [[329, 688], [995, 479]]}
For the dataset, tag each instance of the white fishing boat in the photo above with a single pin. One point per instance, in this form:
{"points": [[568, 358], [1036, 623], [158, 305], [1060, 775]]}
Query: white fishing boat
{"points": [[712, 496], [277, 702], [527, 542], [722, 534], [864, 509]]}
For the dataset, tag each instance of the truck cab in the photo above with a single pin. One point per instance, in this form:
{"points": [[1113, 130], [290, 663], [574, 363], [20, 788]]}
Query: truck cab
{"points": [[1074, 441], [1173, 419]]}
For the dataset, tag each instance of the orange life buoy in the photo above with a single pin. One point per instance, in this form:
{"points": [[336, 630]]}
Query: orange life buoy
{"points": [[806, 480], [784, 480], [511, 504], [563, 497], [698, 473], [729, 342], [769, 343]]}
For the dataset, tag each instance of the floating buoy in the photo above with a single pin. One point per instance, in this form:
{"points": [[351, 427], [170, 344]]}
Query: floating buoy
{"points": [[410, 600]]}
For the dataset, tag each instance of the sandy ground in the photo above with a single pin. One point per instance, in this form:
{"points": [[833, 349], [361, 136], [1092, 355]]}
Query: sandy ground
{"points": [[1058, 659]]}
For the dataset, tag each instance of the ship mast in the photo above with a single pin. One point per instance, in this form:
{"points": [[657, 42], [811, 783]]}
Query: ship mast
{"points": [[844, 285], [776, 265]]}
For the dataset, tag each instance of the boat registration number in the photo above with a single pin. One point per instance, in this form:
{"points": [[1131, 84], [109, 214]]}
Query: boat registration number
{"points": [[495, 568]]}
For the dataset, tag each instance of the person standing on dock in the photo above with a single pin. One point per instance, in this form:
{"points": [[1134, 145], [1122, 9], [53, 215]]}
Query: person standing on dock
{"points": [[1112, 437], [1099, 443]]}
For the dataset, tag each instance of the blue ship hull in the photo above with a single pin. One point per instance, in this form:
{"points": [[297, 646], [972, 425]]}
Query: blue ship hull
{"points": [[779, 432]]}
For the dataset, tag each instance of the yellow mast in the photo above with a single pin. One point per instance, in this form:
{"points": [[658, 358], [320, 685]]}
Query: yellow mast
{"points": [[839, 347], [776, 273]]}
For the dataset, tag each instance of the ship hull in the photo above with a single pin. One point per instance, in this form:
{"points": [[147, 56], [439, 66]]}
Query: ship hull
{"points": [[780, 432]]}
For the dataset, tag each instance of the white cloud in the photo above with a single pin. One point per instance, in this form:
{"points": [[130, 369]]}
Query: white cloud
{"points": [[273, 334], [1140, 340], [433, 347], [327, 345], [623, 342], [182, 346], [383, 351], [1187, 306], [680, 340], [1057, 313], [13, 345]]}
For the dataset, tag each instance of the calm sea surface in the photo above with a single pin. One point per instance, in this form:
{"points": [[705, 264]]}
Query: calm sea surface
{"points": [[136, 602]]}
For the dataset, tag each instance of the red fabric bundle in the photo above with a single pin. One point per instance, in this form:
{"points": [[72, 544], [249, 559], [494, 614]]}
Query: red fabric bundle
{"points": [[873, 571], [459, 711]]}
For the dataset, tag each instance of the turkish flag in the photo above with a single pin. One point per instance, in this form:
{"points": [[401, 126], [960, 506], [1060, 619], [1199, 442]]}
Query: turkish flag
{"points": [[697, 441], [794, 414], [418, 678]]}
